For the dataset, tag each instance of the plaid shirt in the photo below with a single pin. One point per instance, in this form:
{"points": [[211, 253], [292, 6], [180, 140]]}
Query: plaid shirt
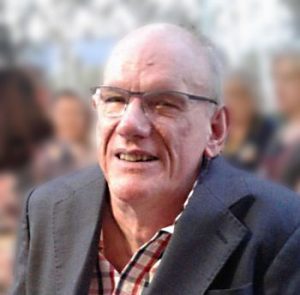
{"points": [[139, 271]]}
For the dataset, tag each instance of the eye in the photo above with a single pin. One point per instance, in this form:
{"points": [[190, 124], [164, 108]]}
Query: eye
{"points": [[168, 102], [113, 99]]}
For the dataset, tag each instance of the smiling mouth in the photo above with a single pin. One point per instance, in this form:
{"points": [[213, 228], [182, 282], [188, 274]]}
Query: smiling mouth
{"points": [[136, 158]]}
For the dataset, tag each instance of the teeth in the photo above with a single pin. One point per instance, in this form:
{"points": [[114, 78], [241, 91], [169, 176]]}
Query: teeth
{"points": [[134, 158]]}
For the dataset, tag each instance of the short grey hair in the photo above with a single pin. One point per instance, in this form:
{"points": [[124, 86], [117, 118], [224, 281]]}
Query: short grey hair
{"points": [[218, 70], [216, 61]]}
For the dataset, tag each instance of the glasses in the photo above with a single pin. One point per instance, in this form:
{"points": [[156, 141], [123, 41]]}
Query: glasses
{"points": [[113, 101]]}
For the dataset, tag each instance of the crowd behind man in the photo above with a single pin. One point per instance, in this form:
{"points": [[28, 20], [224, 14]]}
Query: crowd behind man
{"points": [[42, 136], [267, 144], [38, 143]]}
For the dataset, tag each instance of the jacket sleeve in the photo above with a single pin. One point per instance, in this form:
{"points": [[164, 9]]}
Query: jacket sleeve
{"points": [[283, 275], [22, 251]]}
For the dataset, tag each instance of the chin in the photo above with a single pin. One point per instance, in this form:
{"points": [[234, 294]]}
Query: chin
{"points": [[130, 190]]}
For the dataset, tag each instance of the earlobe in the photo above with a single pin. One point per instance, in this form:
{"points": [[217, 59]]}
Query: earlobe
{"points": [[210, 152], [219, 130]]}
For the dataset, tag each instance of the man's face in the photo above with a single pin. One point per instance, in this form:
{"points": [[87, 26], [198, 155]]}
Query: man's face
{"points": [[286, 76], [142, 157]]}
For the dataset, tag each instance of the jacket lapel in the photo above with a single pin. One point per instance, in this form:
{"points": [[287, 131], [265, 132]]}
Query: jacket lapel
{"points": [[205, 236], [76, 227]]}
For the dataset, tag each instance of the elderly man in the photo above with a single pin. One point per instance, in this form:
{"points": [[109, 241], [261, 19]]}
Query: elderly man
{"points": [[165, 215]]}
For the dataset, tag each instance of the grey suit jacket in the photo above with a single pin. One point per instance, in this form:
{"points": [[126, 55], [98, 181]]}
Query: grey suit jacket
{"points": [[238, 235]]}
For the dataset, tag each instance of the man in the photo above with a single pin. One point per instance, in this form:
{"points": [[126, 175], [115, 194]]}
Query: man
{"points": [[168, 216]]}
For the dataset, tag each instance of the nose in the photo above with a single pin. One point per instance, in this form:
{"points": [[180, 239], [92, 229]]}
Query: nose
{"points": [[134, 123]]}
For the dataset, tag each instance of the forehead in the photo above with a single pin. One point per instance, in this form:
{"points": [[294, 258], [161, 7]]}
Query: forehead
{"points": [[157, 64]]}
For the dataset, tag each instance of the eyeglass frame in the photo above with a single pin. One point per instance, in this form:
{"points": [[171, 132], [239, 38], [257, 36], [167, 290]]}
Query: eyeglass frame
{"points": [[194, 97]]}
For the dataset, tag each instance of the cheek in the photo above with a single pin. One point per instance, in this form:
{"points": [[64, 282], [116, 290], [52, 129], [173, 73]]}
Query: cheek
{"points": [[195, 137], [185, 141], [104, 132], [173, 135], [185, 128]]}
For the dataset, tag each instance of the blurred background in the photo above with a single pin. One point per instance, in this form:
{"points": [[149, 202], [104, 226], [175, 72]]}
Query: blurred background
{"points": [[52, 52]]}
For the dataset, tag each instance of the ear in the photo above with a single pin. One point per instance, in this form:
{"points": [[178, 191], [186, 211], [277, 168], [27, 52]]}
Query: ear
{"points": [[219, 124]]}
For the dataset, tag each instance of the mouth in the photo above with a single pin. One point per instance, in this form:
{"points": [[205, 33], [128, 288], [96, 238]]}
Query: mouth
{"points": [[135, 157]]}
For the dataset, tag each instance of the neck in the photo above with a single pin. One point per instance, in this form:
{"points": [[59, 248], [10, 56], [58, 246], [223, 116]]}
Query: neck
{"points": [[139, 221], [128, 226]]}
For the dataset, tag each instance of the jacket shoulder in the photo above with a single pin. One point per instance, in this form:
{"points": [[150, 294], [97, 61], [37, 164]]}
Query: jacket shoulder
{"points": [[274, 201], [263, 206], [62, 187], [269, 210], [269, 195]]}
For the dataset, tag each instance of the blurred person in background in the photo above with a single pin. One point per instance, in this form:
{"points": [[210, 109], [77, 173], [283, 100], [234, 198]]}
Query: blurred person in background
{"points": [[23, 128], [24, 125], [9, 210], [8, 201], [282, 161], [40, 83], [249, 131], [70, 147], [7, 246]]}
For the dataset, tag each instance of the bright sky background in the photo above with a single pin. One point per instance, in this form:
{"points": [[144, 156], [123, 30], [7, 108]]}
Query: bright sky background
{"points": [[72, 36]]}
